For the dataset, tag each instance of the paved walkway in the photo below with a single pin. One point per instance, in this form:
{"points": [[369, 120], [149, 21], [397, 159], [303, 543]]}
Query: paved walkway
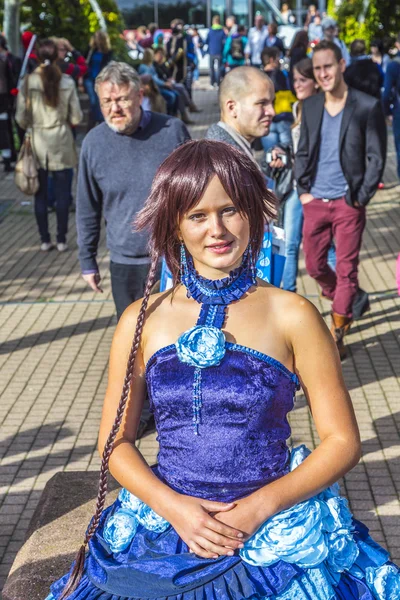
{"points": [[56, 335]]}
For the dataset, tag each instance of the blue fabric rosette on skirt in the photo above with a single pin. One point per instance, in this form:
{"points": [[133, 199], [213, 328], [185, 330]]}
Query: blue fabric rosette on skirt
{"points": [[314, 550]]}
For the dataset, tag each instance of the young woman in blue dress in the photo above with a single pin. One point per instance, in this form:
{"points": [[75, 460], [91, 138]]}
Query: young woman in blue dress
{"points": [[229, 512]]}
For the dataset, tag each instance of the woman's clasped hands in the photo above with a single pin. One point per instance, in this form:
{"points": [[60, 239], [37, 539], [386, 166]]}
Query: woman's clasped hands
{"points": [[193, 520], [211, 529]]}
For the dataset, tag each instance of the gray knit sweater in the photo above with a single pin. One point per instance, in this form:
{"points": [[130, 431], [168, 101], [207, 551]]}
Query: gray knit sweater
{"points": [[115, 175]]}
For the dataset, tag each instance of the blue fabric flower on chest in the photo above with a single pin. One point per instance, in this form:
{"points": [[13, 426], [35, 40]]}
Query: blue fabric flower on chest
{"points": [[201, 346]]}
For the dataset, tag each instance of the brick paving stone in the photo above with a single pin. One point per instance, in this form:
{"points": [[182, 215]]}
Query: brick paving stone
{"points": [[56, 334]]}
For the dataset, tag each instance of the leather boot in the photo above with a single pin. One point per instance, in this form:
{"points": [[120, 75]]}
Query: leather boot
{"points": [[193, 108], [185, 118], [339, 328], [360, 304]]}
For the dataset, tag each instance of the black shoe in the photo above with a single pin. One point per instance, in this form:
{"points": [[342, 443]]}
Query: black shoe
{"points": [[360, 305], [8, 167]]}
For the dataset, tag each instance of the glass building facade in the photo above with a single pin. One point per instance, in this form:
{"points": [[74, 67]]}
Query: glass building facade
{"points": [[194, 12]]}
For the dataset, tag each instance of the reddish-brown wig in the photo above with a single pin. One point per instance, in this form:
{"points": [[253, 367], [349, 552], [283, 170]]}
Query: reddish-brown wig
{"points": [[181, 181], [178, 186]]}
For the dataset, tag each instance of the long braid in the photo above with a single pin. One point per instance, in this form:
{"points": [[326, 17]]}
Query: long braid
{"points": [[77, 571]]}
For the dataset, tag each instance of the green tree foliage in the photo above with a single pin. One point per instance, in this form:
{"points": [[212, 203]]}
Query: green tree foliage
{"points": [[366, 19], [73, 19], [389, 18], [57, 17]]}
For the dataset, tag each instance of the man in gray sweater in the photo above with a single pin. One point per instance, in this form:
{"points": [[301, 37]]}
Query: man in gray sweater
{"points": [[118, 162]]}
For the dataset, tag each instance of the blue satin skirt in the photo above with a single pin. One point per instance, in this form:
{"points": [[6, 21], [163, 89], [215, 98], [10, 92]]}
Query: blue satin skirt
{"points": [[315, 550]]}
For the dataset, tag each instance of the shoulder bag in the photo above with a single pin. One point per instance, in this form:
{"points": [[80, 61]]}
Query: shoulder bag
{"points": [[26, 176]]}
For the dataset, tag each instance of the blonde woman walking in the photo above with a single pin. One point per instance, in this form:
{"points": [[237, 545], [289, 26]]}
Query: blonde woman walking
{"points": [[48, 104], [99, 55]]}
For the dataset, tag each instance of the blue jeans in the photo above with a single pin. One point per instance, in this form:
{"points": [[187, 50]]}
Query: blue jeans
{"points": [[171, 98], [215, 68], [51, 195], [62, 188], [280, 133], [196, 72], [93, 101], [293, 225], [396, 134]]}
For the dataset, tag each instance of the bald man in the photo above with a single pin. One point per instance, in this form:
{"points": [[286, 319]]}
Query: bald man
{"points": [[246, 99]]}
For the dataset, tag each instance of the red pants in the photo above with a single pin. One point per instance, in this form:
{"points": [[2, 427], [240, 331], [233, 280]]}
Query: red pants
{"points": [[323, 222]]}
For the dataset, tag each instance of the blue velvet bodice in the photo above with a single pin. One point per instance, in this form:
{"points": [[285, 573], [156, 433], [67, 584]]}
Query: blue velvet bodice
{"points": [[242, 441]]}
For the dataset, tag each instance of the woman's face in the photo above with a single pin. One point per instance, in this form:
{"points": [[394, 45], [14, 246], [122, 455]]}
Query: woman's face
{"points": [[214, 233], [303, 86], [61, 50]]}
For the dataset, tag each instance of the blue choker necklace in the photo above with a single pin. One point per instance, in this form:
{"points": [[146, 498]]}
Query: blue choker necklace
{"points": [[204, 344]]}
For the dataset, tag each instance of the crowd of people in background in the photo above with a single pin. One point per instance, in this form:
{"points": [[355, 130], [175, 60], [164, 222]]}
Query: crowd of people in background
{"points": [[167, 63]]}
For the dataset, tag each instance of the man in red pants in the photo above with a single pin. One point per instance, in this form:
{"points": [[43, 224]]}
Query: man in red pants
{"points": [[339, 164]]}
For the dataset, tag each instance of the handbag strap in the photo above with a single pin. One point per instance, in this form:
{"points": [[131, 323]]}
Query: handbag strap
{"points": [[28, 101], [28, 139]]}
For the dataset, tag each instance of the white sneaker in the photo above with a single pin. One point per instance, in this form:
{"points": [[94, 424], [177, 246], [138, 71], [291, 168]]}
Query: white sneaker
{"points": [[62, 247], [46, 246]]}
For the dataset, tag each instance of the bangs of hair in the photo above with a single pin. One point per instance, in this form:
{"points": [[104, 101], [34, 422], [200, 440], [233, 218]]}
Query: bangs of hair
{"points": [[180, 183]]}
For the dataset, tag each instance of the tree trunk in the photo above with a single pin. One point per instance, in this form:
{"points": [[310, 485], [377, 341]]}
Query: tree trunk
{"points": [[11, 25], [99, 14]]}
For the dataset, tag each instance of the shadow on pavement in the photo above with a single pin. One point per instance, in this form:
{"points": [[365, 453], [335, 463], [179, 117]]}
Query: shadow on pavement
{"points": [[36, 339]]}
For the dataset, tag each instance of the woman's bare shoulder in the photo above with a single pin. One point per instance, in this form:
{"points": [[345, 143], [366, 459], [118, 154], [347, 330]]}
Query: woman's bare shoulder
{"points": [[279, 296], [290, 308], [302, 326]]}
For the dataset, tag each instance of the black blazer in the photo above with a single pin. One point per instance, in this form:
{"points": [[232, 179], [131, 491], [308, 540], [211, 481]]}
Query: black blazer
{"points": [[362, 145], [366, 76]]}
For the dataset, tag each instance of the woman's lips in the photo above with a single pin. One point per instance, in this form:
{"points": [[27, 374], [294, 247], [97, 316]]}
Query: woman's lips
{"points": [[221, 248]]}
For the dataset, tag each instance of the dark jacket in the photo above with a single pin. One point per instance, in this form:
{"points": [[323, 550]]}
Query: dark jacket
{"points": [[215, 41], [362, 145], [284, 98], [10, 70], [365, 75], [105, 59], [277, 42], [180, 54], [73, 65], [163, 71], [391, 93]]}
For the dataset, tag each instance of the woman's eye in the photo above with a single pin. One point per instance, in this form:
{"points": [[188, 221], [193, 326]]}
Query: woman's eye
{"points": [[230, 210], [196, 217]]}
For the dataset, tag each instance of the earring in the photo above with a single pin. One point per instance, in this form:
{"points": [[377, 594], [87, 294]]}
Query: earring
{"points": [[183, 264], [251, 261]]}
